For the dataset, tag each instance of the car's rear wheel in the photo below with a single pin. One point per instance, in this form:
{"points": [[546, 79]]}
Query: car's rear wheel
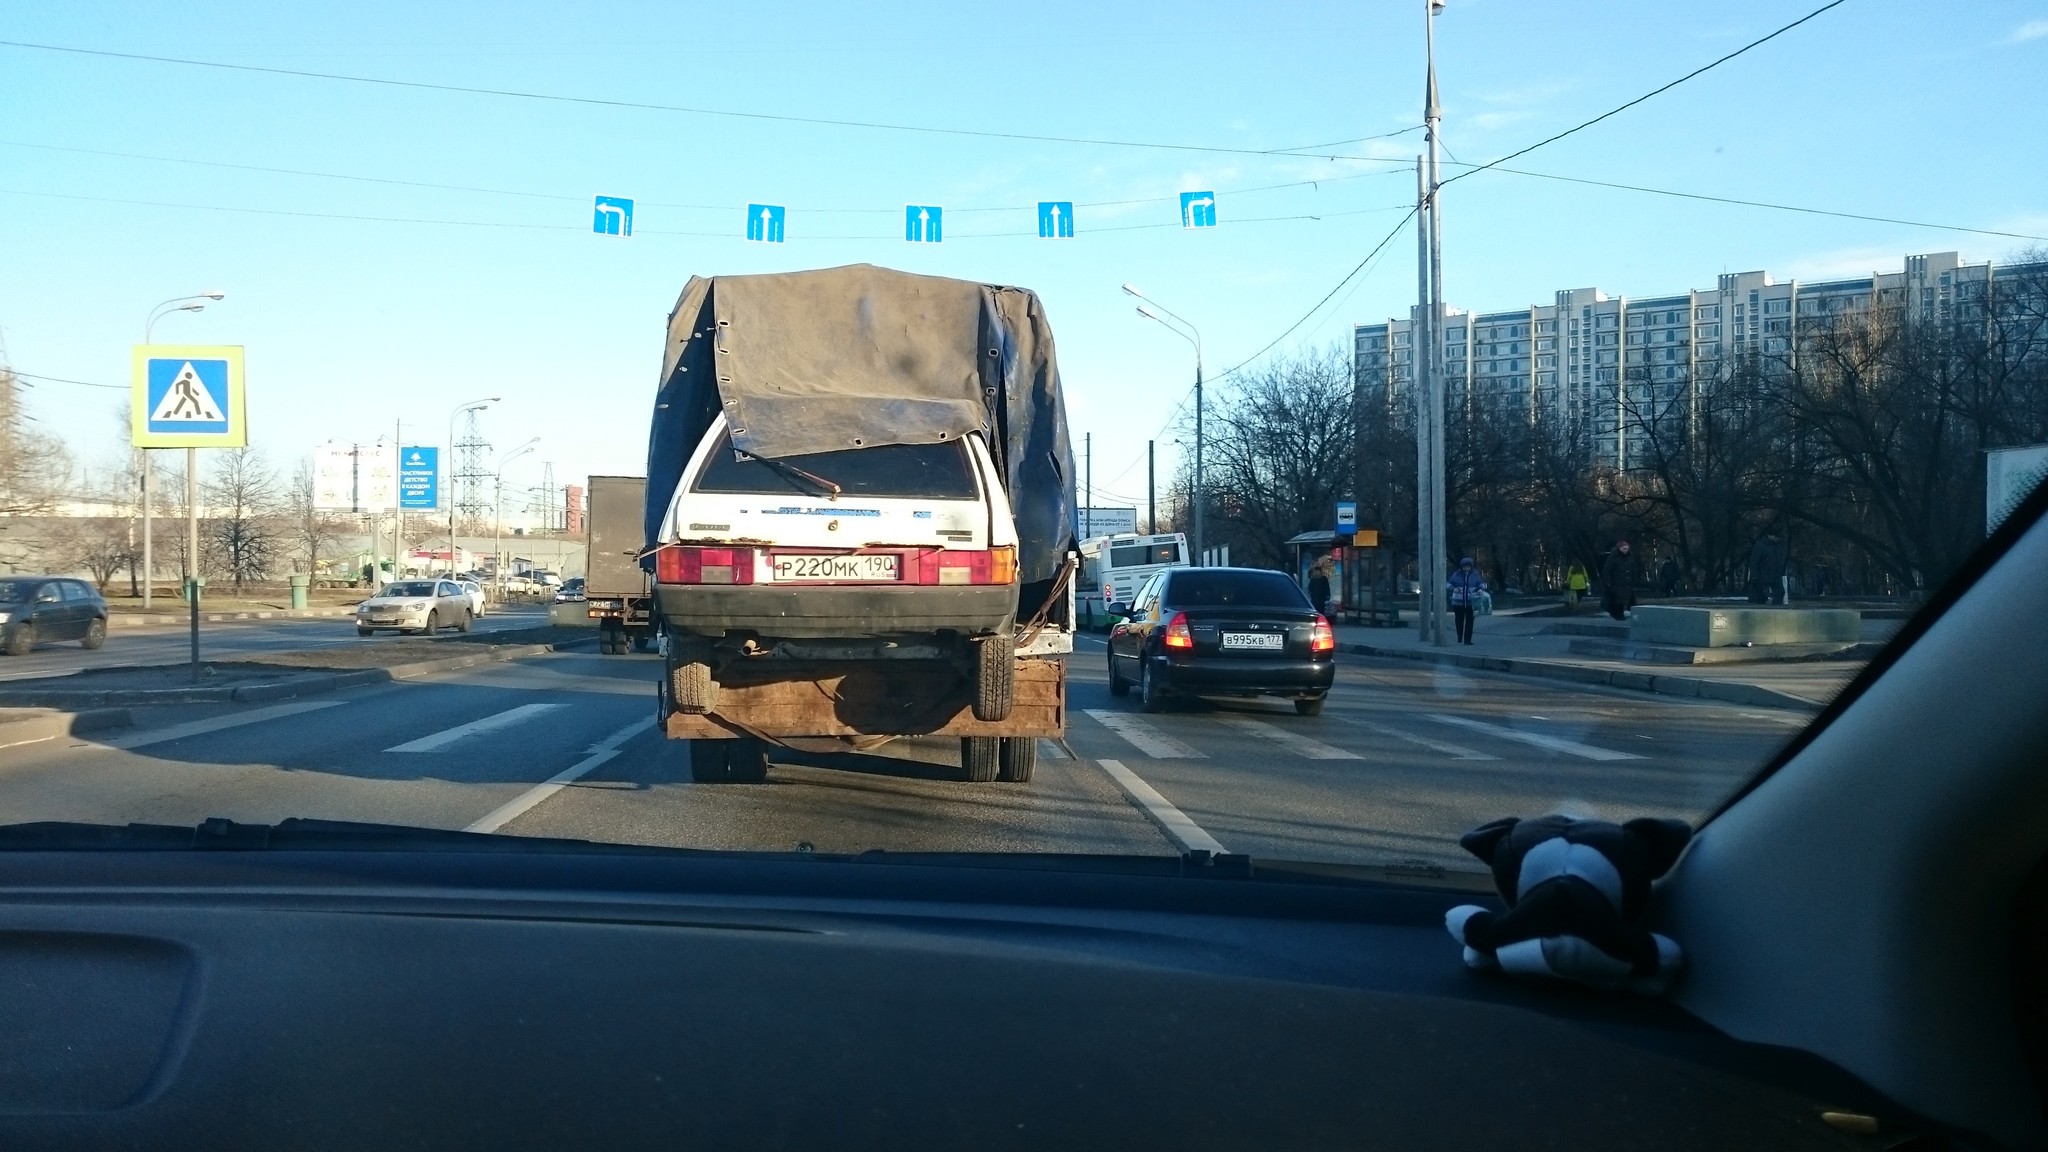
{"points": [[995, 676], [95, 634], [1118, 686], [980, 758], [1019, 757], [468, 621], [728, 761], [1309, 705], [1151, 693], [433, 623], [21, 639]]}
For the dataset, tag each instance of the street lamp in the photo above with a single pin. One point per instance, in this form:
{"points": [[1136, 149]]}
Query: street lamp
{"points": [[498, 549], [1193, 336], [174, 304], [465, 406]]}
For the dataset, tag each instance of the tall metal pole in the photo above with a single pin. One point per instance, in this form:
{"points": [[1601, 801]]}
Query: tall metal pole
{"points": [[192, 547], [1151, 504], [1419, 364], [148, 535], [1088, 470], [1433, 304], [1201, 492]]}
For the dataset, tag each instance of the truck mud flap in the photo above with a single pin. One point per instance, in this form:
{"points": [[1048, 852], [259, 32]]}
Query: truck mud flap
{"points": [[778, 699]]}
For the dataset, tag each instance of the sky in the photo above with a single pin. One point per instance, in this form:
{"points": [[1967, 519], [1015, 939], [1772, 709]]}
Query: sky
{"points": [[389, 252]]}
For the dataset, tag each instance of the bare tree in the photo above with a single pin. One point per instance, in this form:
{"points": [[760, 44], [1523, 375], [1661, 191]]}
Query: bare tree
{"points": [[1279, 455], [313, 530], [34, 465], [101, 545], [242, 524]]}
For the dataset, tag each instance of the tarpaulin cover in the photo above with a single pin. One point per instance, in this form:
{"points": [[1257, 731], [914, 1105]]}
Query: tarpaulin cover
{"points": [[855, 357]]}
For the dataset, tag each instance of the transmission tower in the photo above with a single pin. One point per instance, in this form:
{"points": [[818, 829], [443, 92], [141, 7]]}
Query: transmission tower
{"points": [[473, 480], [544, 504]]}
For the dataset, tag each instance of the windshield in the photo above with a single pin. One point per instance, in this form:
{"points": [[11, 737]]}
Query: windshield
{"points": [[933, 471], [456, 291]]}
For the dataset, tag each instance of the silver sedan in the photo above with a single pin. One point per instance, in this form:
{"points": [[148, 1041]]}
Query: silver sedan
{"points": [[421, 606]]}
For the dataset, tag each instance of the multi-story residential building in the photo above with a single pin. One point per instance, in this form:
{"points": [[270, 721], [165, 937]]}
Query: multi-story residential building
{"points": [[1599, 367]]}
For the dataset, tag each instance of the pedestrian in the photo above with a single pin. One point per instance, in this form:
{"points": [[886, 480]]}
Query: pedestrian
{"points": [[1667, 578], [1574, 585], [1618, 581], [1465, 587], [1767, 569], [1319, 585]]}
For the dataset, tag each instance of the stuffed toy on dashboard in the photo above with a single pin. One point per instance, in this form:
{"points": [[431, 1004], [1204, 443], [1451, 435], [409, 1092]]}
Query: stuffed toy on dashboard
{"points": [[1576, 891]]}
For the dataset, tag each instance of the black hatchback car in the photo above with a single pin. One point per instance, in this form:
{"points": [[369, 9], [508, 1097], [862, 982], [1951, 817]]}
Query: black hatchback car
{"points": [[1222, 632], [38, 608]]}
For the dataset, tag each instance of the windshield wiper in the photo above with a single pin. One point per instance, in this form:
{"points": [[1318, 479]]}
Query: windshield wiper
{"points": [[792, 472]]}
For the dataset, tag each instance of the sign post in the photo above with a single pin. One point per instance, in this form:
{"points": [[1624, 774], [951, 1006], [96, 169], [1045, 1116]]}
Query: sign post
{"points": [[189, 396]]}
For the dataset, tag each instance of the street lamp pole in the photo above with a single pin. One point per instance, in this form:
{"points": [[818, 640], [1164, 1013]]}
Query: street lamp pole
{"points": [[175, 304], [1427, 355], [498, 549], [465, 406], [1193, 336]]}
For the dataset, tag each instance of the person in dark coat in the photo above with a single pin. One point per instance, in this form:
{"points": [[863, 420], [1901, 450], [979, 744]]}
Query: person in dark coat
{"points": [[1767, 569], [1319, 585], [1667, 578], [1618, 581]]}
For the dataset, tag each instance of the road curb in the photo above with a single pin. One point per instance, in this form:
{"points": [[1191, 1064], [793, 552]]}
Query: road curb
{"points": [[35, 726], [119, 620], [1727, 692], [278, 690]]}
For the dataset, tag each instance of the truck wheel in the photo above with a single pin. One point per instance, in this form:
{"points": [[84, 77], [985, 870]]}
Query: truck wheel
{"points": [[980, 758], [691, 686], [995, 677], [608, 640], [1118, 686], [1019, 757]]}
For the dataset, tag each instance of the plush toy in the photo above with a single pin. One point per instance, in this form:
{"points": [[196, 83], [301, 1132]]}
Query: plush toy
{"points": [[1576, 891]]}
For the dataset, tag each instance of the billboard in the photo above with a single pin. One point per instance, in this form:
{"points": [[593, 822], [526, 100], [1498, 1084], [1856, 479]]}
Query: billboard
{"points": [[2010, 476], [355, 477], [1107, 521], [419, 478]]}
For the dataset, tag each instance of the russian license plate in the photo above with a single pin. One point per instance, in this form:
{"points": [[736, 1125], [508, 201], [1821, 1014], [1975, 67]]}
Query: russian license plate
{"points": [[1272, 640], [383, 619], [797, 569]]}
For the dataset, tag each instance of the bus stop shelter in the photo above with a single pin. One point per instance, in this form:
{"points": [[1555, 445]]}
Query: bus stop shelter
{"points": [[1360, 583]]}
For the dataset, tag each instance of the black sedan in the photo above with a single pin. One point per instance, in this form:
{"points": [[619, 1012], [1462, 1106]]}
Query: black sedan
{"points": [[38, 608], [1222, 632]]}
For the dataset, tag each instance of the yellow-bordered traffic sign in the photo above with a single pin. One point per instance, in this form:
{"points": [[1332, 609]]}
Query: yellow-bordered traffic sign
{"points": [[188, 396]]}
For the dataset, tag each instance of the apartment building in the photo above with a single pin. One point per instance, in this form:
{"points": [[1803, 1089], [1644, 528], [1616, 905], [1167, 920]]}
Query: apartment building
{"points": [[1601, 368]]}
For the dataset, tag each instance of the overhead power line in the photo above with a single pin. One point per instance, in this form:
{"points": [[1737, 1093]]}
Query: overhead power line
{"points": [[60, 379], [641, 106], [1653, 92]]}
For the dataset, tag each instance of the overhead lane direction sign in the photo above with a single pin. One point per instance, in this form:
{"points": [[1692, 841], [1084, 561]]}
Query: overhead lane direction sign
{"points": [[764, 223], [1056, 219], [188, 396], [613, 217], [1198, 209], [922, 223], [419, 478]]}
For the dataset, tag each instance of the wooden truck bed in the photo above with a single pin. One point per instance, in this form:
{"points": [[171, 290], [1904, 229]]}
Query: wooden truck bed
{"points": [[883, 698]]}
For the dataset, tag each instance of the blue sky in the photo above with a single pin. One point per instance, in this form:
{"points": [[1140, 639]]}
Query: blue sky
{"points": [[431, 296]]}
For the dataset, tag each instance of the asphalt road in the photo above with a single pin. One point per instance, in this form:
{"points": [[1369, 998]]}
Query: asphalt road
{"points": [[129, 647], [1405, 758]]}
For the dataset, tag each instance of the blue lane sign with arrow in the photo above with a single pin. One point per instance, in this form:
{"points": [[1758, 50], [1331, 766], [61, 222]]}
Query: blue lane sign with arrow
{"points": [[1198, 209], [1056, 219], [764, 223], [613, 216], [922, 223]]}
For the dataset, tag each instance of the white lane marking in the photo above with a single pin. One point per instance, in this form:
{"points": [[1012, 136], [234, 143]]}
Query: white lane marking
{"points": [[599, 752], [1454, 751], [1143, 736], [1537, 739], [26, 743], [1172, 821], [1298, 744], [215, 724], [440, 740]]}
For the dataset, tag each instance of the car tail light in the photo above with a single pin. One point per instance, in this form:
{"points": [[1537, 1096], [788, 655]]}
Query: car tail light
{"points": [[678, 564], [1322, 639], [1177, 635], [940, 566]]}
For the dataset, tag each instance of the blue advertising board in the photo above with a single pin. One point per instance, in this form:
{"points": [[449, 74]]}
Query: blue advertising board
{"points": [[419, 478]]}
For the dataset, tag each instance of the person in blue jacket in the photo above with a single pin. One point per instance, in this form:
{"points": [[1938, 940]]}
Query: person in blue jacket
{"points": [[1465, 585]]}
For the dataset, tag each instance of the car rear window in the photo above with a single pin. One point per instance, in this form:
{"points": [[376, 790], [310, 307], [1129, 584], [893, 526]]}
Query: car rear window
{"points": [[931, 471], [1233, 590]]}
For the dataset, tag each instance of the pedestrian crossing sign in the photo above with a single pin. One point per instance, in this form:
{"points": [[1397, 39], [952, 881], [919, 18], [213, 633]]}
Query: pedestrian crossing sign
{"points": [[188, 396]]}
